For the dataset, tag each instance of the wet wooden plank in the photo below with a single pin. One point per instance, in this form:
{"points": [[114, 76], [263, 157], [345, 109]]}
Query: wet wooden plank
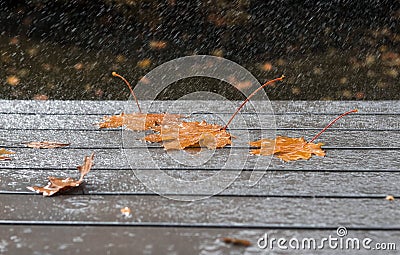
{"points": [[273, 183], [113, 107], [113, 139], [367, 160], [347, 187], [316, 122], [261, 212], [158, 240]]}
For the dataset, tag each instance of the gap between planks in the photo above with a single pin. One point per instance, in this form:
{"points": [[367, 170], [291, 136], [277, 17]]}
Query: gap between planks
{"points": [[192, 225]]}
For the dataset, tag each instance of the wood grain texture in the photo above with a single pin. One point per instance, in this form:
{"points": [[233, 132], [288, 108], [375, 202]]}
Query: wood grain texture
{"points": [[114, 107], [243, 121], [113, 138], [158, 240], [273, 183], [351, 159], [257, 212], [310, 198]]}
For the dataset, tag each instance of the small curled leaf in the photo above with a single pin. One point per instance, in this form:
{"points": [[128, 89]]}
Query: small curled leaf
{"points": [[57, 185]]}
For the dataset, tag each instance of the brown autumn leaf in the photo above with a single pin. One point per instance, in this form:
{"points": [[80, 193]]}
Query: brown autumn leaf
{"points": [[178, 136], [57, 185], [175, 134], [138, 121], [45, 145], [287, 148], [235, 241], [5, 152]]}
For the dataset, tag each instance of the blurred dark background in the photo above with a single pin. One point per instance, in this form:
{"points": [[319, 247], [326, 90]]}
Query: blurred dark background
{"points": [[328, 50]]}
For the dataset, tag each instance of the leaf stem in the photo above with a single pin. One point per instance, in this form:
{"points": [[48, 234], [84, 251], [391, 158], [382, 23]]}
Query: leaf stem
{"points": [[248, 98], [130, 88], [330, 124]]}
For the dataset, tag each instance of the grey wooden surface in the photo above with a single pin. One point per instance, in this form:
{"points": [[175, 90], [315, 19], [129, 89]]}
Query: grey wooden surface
{"points": [[294, 199]]}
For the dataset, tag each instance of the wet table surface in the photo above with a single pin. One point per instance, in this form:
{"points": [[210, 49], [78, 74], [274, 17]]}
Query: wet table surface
{"points": [[302, 200]]}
